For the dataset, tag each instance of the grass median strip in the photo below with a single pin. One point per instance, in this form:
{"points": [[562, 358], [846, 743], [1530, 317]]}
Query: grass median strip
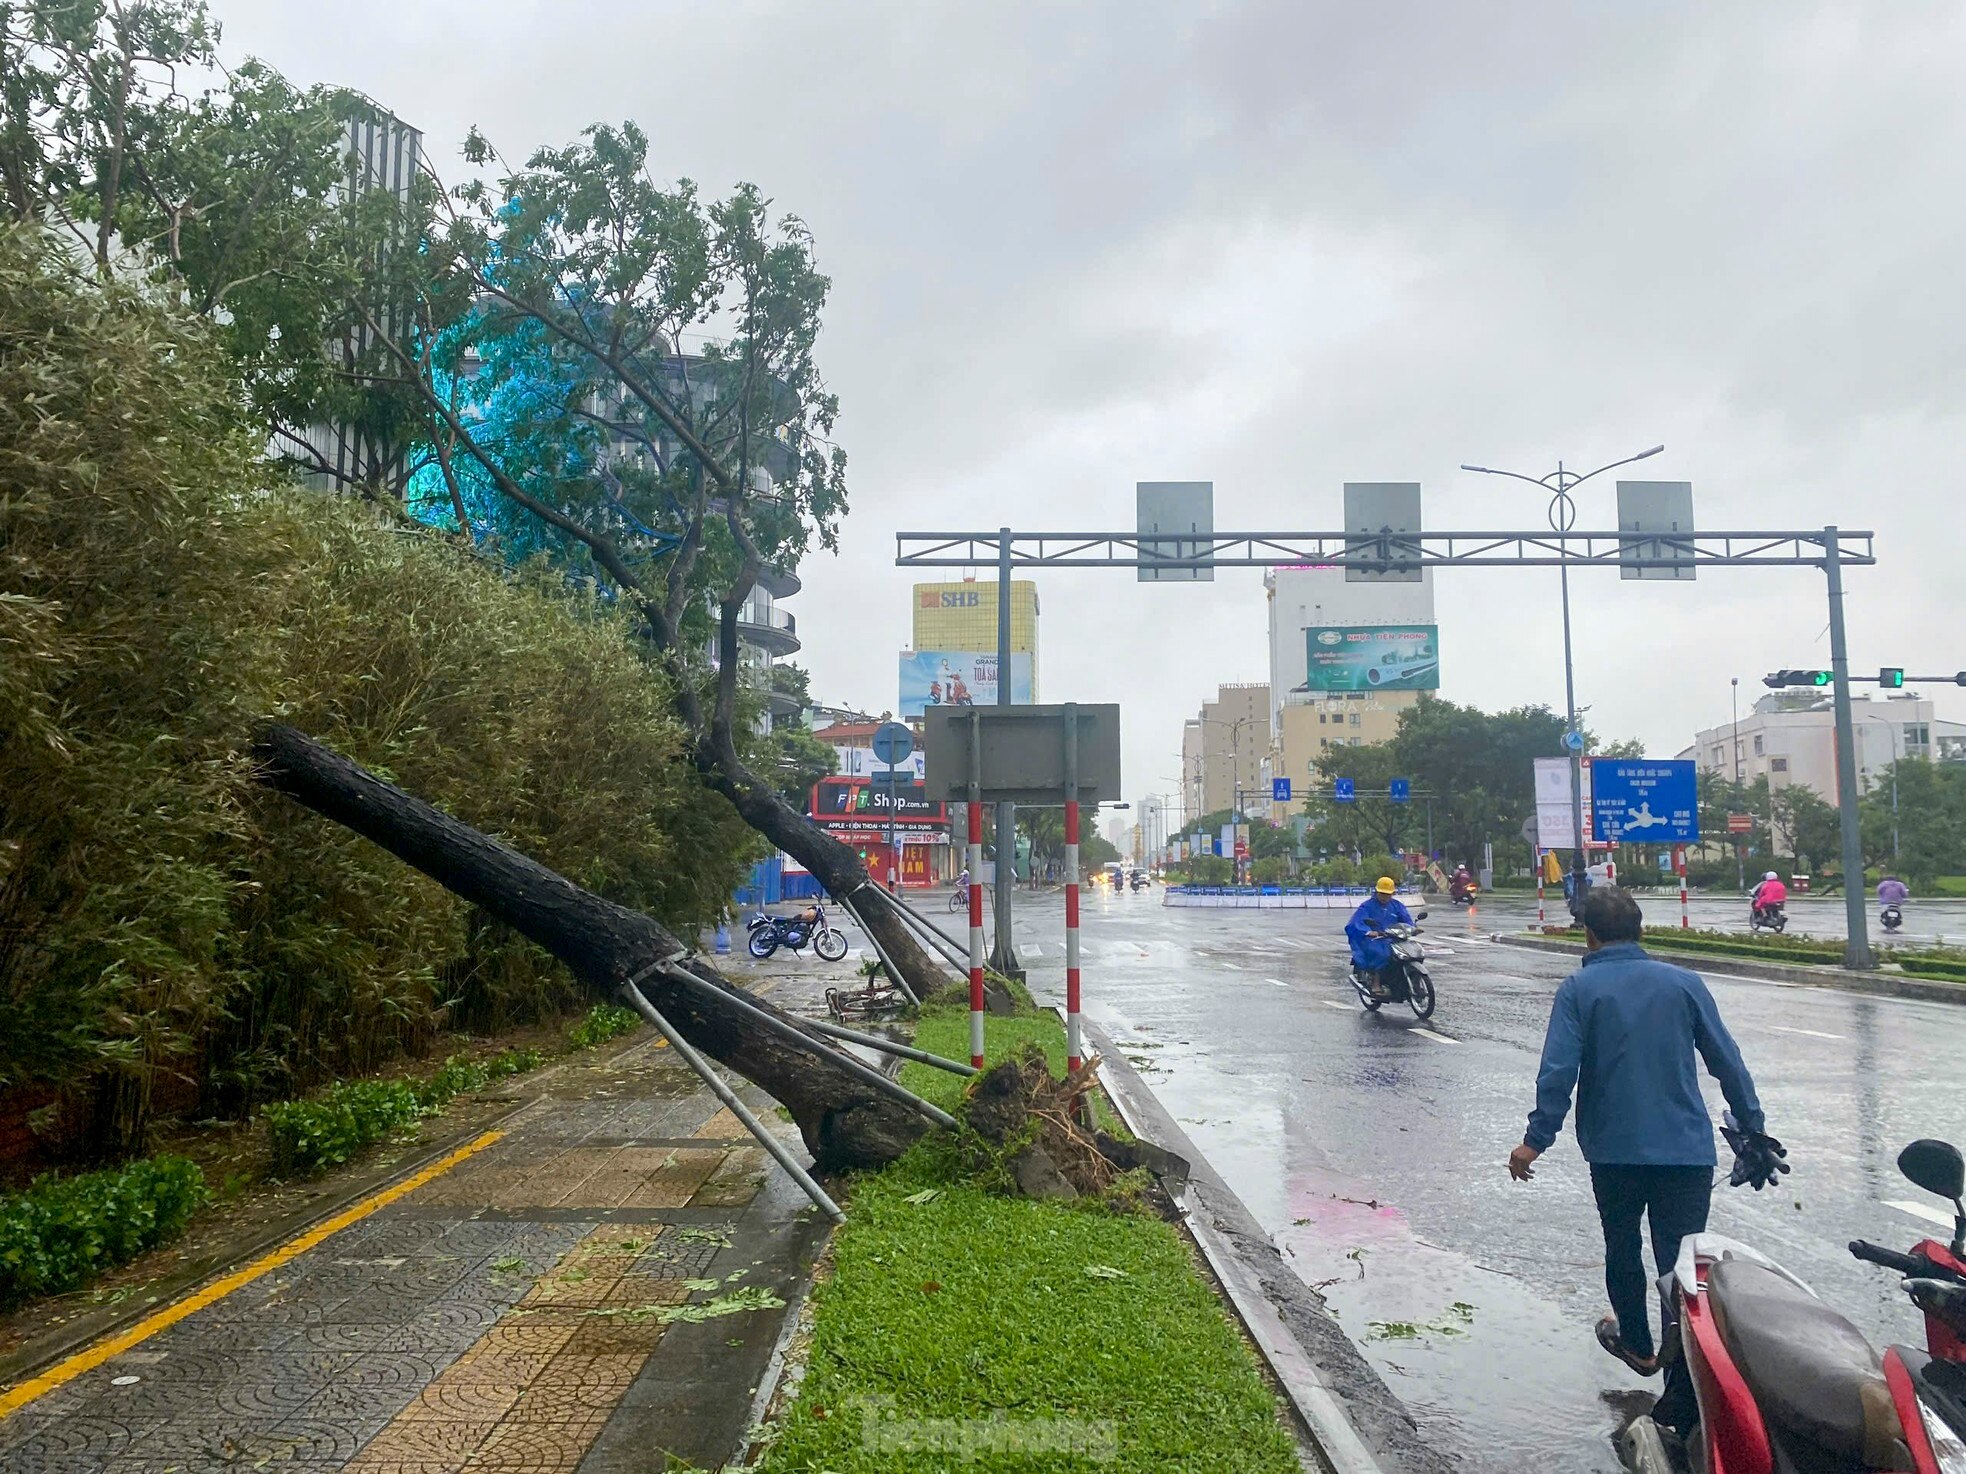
{"points": [[965, 1327]]}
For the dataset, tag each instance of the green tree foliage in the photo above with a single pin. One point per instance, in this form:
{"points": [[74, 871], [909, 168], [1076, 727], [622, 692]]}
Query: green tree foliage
{"points": [[233, 200], [160, 914], [1931, 820]]}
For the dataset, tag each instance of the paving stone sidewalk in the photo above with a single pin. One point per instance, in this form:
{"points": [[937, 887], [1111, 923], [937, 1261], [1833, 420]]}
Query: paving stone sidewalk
{"points": [[518, 1314]]}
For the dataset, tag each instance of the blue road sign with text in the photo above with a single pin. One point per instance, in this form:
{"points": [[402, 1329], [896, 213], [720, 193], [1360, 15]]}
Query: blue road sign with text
{"points": [[1645, 801], [1280, 790], [1400, 790], [1343, 791]]}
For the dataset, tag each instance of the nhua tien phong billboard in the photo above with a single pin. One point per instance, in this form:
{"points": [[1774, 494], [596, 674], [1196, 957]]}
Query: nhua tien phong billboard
{"points": [[1376, 657], [958, 678]]}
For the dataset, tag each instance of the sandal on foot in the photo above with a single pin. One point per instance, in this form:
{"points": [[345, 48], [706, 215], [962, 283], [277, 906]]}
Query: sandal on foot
{"points": [[1611, 1341]]}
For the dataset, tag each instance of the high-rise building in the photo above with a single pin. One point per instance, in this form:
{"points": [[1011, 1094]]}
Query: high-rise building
{"points": [[1346, 658], [1226, 751], [961, 618]]}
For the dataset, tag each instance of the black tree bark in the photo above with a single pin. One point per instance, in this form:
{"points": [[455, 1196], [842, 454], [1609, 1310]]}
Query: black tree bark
{"points": [[845, 1123]]}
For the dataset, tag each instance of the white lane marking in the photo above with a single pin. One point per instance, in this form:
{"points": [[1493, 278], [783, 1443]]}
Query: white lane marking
{"points": [[1430, 1034], [1034, 949], [1233, 966], [1920, 1210], [1812, 1033], [1278, 981], [1334, 1003]]}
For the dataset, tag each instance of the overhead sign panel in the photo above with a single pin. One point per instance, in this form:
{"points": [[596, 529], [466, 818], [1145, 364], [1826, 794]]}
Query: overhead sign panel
{"points": [[1645, 800], [958, 678], [1376, 514], [1372, 657], [1662, 508], [1023, 752], [1186, 507]]}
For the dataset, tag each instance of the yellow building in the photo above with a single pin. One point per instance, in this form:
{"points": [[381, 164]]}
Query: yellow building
{"points": [[1308, 731], [963, 617]]}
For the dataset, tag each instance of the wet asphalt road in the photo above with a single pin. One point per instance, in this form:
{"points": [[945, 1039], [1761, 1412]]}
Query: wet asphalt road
{"points": [[1375, 1153]]}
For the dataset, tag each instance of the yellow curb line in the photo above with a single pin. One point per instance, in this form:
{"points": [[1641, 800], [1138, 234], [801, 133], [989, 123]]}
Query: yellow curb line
{"points": [[94, 1356]]}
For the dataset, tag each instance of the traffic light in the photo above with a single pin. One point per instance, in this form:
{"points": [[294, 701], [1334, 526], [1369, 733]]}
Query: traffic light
{"points": [[1781, 678], [1892, 677]]}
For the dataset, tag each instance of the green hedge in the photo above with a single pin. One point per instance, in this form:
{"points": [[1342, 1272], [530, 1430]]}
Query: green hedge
{"points": [[64, 1231], [604, 1021], [310, 1136]]}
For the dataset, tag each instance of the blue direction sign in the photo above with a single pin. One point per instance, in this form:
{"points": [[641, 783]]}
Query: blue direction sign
{"points": [[1400, 790], [1343, 791], [1645, 801], [1280, 790], [894, 744], [1574, 741]]}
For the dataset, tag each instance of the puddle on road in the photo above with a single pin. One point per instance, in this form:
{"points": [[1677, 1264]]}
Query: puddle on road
{"points": [[1486, 1363]]}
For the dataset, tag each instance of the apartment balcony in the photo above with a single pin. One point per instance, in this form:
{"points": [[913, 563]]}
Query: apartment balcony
{"points": [[769, 628]]}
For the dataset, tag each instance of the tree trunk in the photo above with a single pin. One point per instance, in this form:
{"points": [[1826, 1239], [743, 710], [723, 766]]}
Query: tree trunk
{"points": [[838, 867], [845, 1123]]}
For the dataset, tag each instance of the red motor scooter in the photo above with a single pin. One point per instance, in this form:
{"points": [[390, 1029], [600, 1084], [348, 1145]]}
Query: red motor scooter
{"points": [[1788, 1386]]}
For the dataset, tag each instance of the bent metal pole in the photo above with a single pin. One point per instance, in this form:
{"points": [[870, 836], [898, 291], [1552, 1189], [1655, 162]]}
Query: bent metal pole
{"points": [[633, 996]]}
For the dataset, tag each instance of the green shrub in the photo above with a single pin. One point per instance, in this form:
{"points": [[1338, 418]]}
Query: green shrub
{"points": [[63, 1231], [513, 1062], [309, 1136], [604, 1021], [163, 912]]}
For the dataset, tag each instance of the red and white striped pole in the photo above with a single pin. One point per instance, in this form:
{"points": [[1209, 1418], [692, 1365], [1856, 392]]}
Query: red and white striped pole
{"points": [[1679, 864], [1539, 886], [1073, 1031], [976, 931]]}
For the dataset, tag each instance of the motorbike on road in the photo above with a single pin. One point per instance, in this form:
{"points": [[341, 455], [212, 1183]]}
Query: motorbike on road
{"points": [[1466, 894], [794, 933], [1891, 918], [1785, 1385], [1405, 978], [1767, 918]]}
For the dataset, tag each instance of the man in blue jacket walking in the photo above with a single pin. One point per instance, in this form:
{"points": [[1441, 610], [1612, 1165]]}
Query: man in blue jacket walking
{"points": [[1627, 1033]]}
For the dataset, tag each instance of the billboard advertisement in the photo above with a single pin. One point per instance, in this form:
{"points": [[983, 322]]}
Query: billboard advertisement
{"points": [[958, 678], [1372, 657]]}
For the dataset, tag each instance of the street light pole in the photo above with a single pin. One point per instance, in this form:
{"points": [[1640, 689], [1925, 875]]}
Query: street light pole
{"points": [[1563, 516], [1740, 849], [1003, 955]]}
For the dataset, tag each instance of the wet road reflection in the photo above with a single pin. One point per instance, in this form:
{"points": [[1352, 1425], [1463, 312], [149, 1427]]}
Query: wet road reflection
{"points": [[1374, 1153]]}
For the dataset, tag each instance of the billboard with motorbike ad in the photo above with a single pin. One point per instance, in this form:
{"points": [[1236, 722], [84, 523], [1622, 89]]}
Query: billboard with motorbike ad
{"points": [[1377, 657], [958, 678]]}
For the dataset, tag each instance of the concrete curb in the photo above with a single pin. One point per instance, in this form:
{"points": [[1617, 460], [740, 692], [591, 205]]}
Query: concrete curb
{"points": [[1356, 1423], [1884, 984]]}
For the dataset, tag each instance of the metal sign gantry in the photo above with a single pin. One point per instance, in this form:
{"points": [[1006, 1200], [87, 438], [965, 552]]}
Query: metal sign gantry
{"points": [[1831, 549]]}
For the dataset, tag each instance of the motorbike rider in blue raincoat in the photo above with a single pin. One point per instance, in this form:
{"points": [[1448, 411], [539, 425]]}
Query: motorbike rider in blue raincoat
{"points": [[1378, 911]]}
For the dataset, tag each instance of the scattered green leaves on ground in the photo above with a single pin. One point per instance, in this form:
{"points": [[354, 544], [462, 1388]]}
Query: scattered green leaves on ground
{"points": [[63, 1231]]}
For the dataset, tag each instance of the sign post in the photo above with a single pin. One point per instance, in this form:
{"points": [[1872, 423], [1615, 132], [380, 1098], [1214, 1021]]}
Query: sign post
{"points": [[1074, 1032], [894, 744], [1029, 755]]}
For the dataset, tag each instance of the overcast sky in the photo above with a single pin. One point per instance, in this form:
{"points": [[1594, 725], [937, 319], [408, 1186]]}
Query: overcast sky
{"points": [[1285, 245]]}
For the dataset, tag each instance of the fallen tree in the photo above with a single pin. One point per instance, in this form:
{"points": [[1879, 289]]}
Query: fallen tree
{"points": [[846, 1122]]}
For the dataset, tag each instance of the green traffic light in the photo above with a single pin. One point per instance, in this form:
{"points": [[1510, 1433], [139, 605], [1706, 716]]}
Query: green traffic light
{"points": [[1892, 676], [1820, 677]]}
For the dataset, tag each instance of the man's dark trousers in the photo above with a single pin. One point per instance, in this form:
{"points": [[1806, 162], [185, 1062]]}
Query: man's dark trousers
{"points": [[1674, 1200]]}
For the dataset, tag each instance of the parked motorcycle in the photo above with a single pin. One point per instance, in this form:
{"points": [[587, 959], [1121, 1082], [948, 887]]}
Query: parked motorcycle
{"points": [[1891, 918], [1406, 977], [1785, 1384], [794, 933], [1767, 918]]}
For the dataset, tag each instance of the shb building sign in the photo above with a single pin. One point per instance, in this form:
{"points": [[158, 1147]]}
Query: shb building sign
{"points": [[952, 599]]}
